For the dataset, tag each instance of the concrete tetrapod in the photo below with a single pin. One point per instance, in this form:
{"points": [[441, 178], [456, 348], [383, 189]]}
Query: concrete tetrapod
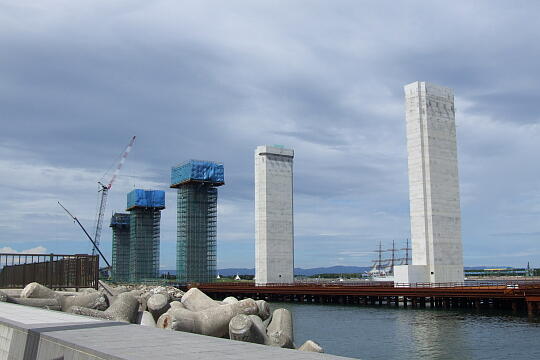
{"points": [[267, 321], [280, 329], [145, 318], [88, 290], [12, 292], [230, 300], [212, 321], [195, 300], [64, 292], [179, 319], [79, 310], [260, 327], [157, 305], [247, 328], [311, 346], [36, 290], [124, 308], [93, 300], [111, 292], [264, 309], [176, 305], [51, 304], [143, 300]]}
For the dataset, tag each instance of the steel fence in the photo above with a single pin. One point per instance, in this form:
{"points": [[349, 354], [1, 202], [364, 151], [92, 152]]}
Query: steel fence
{"points": [[52, 270]]}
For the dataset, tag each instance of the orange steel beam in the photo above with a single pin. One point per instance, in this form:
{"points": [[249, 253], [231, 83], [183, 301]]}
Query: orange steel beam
{"points": [[333, 290]]}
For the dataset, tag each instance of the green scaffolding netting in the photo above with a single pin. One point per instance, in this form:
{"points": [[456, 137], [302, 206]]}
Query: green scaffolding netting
{"points": [[196, 233]]}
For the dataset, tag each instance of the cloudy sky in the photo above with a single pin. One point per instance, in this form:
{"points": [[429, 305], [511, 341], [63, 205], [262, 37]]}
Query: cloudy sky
{"points": [[214, 79]]}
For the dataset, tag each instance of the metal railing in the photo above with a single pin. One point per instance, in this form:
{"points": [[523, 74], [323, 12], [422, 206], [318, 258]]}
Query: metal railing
{"points": [[52, 270], [515, 284], [509, 284]]}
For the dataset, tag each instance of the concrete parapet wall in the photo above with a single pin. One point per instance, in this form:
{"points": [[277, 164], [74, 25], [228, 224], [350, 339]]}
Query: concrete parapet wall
{"points": [[32, 333]]}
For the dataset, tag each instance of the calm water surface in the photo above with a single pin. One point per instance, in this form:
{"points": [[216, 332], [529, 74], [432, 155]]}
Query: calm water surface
{"points": [[372, 333]]}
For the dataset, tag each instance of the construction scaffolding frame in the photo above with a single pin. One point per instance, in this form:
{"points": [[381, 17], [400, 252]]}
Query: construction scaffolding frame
{"points": [[144, 244], [120, 224], [145, 214], [196, 232], [197, 182]]}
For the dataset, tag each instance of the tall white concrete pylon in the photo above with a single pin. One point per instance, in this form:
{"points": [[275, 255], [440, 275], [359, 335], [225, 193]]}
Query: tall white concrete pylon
{"points": [[437, 254], [274, 225]]}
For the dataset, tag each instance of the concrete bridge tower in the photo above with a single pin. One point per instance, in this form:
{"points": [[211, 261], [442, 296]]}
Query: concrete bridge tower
{"points": [[437, 254], [274, 226]]}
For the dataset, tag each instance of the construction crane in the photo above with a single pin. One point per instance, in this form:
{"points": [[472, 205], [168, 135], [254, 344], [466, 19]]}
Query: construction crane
{"points": [[105, 192], [86, 232]]}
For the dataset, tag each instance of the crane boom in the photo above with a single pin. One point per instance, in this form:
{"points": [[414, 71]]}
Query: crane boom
{"points": [[121, 162], [83, 229], [105, 192]]}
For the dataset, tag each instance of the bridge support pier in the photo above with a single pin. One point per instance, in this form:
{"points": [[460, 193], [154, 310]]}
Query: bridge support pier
{"points": [[532, 308], [515, 306], [515, 299], [478, 304]]}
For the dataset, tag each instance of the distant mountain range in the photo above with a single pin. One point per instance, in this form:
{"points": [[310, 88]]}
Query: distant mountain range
{"points": [[300, 271], [310, 272], [297, 271]]}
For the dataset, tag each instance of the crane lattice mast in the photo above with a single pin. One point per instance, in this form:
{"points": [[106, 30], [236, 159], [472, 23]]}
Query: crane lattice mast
{"points": [[105, 192]]}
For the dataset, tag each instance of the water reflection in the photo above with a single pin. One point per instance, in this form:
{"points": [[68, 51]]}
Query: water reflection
{"points": [[383, 333], [434, 334]]}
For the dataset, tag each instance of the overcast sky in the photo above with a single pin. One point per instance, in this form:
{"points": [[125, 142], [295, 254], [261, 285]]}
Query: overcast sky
{"points": [[214, 79]]}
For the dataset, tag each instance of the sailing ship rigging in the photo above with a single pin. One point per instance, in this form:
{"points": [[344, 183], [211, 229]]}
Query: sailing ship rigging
{"points": [[383, 268]]}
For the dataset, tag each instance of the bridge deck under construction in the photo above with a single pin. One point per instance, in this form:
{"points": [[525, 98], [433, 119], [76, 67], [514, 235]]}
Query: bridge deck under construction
{"points": [[517, 296]]}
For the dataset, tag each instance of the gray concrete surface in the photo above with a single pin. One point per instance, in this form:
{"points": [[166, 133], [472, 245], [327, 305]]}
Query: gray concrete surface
{"points": [[145, 318], [195, 300], [312, 346], [93, 300], [274, 225], [280, 330], [243, 328], [435, 213], [32, 333], [157, 305], [124, 308], [36, 290]]}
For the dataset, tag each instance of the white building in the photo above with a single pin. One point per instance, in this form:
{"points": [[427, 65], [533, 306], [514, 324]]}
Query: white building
{"points": [[274, 226], [437, 254]]}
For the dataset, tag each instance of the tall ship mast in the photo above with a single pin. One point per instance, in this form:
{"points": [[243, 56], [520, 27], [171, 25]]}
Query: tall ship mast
{"points": [[379, 264], [407, 259], [392, 261], [383, 268]]}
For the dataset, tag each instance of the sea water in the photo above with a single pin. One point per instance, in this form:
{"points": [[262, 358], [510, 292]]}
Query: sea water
{"points": [[384, 333]]}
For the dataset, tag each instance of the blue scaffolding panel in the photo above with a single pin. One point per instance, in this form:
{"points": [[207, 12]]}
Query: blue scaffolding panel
{"points": [[119, 219], [198, 171], [139, 198]]}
